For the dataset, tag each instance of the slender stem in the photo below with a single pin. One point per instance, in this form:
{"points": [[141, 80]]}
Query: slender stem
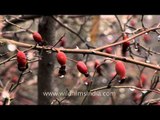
{"points": [[82, 51], [6, 20], [148, 50], [143, 22], [128, 39], [109, 83], [72, 60], [118, 87], [119, 23], [59, 40], [17, 84], [151, 101]]}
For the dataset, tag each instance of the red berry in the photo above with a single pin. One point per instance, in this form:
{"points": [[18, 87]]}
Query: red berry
{"points": [[125, 36], [143, 79], [120, 69], [132, 23], [125, 45], [96, 64], [22, 61], [37, 37], [63, 42], [21, 58], [14, 79], [108, 50], [61, 57], [98, 67], [82, 67], [146, 38], [137, 97]]}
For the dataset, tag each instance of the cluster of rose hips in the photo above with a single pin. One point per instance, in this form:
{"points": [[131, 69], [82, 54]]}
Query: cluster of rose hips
{"points": [[21, 57], [62, 59]]}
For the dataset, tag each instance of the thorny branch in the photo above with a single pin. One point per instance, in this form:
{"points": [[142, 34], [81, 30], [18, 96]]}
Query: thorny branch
{"points": [[81, 51]]}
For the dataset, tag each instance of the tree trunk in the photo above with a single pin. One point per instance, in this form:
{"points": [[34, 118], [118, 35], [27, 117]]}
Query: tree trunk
{"points": [[46, 65]]}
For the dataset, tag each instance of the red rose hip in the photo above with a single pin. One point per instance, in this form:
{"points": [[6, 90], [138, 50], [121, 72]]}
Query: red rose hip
{"points": [[61, 57], [125, 45], [97, 67], [82, 68], [147, 38], [120, 69], [21, 58], [37, 37], [22, 61], [108, 50]]}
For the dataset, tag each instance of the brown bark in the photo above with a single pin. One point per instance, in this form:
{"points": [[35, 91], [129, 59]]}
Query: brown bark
{"points": [[46, 65]]}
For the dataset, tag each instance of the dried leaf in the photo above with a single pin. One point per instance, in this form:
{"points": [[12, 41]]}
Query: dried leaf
{"points": [[94, 28]]}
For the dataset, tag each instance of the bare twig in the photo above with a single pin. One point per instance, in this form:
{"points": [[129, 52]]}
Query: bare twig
{"points": [[127, 22], [13, 87], [28, 30], [119, 23], [143, 22], [148, 50], [154, 83], [21, 19], [118, 87], [152, 101], [72, 31], [60, 39], [128, 39]]}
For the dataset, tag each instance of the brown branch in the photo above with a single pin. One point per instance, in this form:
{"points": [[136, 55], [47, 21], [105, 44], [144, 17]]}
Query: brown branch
{"points": [[151, 101], [118, 87], [28, 30], [143, 22], [148, 50], [21, 19], [7, 60], [119, 23], [125, 25], [20, 44], [13, 87], [60, 39], [82, 51], [125, 59], [129, 39]]}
